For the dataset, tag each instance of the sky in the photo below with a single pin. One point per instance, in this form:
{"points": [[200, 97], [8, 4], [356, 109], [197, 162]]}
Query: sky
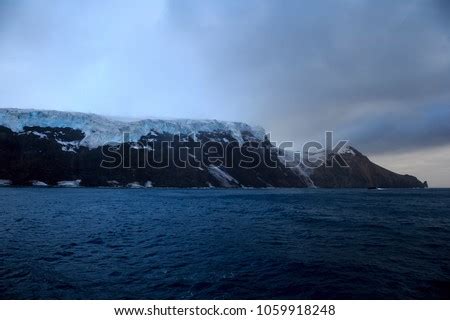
{"points": [[376, 73]]}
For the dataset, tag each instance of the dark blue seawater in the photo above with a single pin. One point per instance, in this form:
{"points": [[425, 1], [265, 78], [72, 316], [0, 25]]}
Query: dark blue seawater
{"points": [[224, 244]]}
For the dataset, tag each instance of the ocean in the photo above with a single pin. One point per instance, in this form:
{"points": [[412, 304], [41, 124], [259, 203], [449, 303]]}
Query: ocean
{"points": [[92, 243]]}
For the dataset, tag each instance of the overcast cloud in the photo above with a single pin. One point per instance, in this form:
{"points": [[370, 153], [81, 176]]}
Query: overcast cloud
{"points": [[375, 72]]}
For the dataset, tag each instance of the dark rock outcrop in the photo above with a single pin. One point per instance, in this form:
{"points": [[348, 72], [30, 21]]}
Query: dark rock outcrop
{"points": [[362, 173]]}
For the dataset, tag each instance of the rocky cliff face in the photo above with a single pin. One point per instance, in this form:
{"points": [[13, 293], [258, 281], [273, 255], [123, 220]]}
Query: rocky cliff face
{"points": [[75, 149], [361, 173]]}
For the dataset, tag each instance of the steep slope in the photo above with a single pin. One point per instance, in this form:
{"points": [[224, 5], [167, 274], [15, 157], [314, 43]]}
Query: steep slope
{"points": [[361, 173]]}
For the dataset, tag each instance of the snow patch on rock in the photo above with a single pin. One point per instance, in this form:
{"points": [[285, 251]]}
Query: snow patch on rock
{"points": [[148, 184], [113, 183], [5, 182], [69, 146], [134, 185], [37, 183], [223, 177], [40, 135], [69, 183]]}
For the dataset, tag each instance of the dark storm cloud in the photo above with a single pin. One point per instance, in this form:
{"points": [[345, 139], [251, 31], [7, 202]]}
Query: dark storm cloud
{"points": [[443, 7], [396, 131], [302, 67]]}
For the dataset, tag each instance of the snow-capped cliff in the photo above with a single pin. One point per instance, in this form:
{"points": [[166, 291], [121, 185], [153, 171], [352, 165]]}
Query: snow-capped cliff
{"points": [[55, 148], [101, 130]]}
